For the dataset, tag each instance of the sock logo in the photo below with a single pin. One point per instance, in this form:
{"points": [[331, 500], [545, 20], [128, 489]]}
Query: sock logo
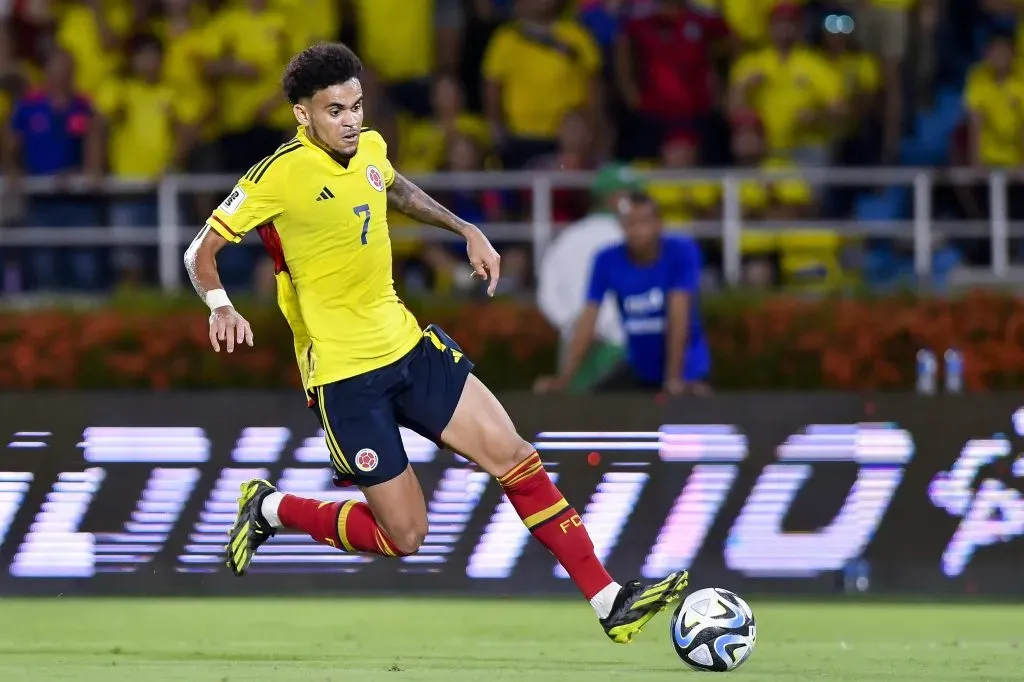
{"points": [[366, 460], [573, 521]]}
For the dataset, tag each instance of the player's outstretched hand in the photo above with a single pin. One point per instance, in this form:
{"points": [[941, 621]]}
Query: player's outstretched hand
{"points": [[227, 326], [485, 260]]}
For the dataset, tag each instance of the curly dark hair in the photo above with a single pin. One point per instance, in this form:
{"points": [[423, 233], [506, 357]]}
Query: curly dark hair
{"points": [[317, 67]]}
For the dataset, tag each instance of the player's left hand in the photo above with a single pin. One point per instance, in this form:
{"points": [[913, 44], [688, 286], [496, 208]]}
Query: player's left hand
{"points": [[485, 260]]}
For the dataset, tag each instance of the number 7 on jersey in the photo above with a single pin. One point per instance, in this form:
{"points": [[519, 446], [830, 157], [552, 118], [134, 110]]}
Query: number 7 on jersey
{"points": [[363, 210]]}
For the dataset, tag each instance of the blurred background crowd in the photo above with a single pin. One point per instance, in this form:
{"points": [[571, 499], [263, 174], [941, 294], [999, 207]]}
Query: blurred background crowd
{"points": [[139, 89]]}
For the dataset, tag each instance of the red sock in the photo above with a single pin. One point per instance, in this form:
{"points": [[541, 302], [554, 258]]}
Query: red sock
{"points": [[348, 526], [557, 525]]}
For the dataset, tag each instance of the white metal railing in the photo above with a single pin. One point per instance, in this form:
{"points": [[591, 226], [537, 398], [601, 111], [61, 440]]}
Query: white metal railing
{"points": [[171, 236]]}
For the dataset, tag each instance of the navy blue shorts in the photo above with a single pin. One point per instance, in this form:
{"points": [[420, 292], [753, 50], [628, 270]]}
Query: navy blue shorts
{"points": [[361, 415]]}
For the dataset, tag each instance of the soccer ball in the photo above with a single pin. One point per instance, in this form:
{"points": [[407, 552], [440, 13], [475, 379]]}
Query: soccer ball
{"points": [[713, 630]]}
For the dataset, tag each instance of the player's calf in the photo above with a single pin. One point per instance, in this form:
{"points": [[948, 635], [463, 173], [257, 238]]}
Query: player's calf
{"points": [[483, 431], [348, 526]]}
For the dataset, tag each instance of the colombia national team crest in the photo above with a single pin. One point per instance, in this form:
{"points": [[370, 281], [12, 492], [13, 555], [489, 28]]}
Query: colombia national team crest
{"points": [[375, 179], [366, 460]]}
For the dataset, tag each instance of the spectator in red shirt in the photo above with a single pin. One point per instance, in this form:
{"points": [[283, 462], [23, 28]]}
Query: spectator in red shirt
{"points": [[665, 72]]}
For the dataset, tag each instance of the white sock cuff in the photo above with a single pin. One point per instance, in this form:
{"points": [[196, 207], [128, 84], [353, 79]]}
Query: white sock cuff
{"points": [[604, 600], [269, 508]]}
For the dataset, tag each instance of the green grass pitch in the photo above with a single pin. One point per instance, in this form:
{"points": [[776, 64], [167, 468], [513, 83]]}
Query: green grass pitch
{"points": [[435, 640]]}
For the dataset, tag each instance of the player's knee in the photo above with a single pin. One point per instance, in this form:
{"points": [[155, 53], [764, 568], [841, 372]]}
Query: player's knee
{"points": [[517, 452], [409, 540], [409, 536]]}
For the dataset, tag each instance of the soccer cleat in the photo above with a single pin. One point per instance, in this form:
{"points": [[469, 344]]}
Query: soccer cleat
{"points": [[250, 530], [636, 604]]}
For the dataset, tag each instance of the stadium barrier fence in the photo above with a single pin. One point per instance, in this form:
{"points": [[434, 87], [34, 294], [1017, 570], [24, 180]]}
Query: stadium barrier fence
{"points": [[124, 493], [917, 184]]}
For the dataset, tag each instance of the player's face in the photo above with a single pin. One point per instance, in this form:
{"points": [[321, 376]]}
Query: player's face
{"points": [[334, 116], [642, 225]]}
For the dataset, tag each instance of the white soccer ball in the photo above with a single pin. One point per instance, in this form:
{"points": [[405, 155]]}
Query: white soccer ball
{"points": [[713, 630]]}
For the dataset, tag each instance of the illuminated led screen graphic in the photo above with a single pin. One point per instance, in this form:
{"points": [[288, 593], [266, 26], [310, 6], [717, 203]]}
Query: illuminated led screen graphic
{"points": [[113, 493]]}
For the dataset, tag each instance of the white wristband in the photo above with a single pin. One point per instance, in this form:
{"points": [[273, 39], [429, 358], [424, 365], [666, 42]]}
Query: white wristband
{"points": [[217, 298]]}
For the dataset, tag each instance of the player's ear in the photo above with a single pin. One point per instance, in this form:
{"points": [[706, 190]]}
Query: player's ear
{"points": [[300, 114]]}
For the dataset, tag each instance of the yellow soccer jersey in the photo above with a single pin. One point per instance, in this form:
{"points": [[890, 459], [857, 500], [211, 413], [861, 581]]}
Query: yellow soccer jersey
{"points": [[326, 227]]}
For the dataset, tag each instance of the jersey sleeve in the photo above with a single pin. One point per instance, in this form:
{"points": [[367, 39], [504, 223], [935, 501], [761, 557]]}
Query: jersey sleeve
{"points": [[869, 74], [249, 205], [599, 283], [684, 272], [974, 93], [109, 98], [744, 67], [496, 57], [588, 50], [387, 171], [827, 81]]}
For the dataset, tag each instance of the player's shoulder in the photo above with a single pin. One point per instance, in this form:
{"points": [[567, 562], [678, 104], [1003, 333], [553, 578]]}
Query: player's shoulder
{"points": [[274, 167], [763, 57], [611, 255], [371, 139], [813, 57], [571, 29], [506, 33], [679, 245], [978, 76]]}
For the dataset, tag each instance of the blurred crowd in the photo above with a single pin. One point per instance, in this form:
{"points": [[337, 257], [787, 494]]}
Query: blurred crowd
{"points": [[140, 88]]}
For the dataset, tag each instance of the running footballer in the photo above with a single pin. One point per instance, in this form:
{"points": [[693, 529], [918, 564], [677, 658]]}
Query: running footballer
{"points": [[319, 205]]}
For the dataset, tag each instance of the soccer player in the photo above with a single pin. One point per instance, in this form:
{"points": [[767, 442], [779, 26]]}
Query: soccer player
{"points": [[319, 205]]}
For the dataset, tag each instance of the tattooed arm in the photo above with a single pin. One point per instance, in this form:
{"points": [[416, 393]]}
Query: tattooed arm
{"points": [[409, 199]]}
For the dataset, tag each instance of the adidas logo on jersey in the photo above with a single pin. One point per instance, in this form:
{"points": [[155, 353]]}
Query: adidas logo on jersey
{"points": [[325, 194]]}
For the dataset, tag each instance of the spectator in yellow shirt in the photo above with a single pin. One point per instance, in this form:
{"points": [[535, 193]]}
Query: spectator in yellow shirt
{"points": [[423, 149], [780, 199], [797, 93], [94, 33], [748, 20], [858, 69], [311, 21], [188, 44], [254, 116], [994, 99], [146, 126], [91, 32], [424, 140], [683, 201], [807, 259], [404, 43], [537, 69]]}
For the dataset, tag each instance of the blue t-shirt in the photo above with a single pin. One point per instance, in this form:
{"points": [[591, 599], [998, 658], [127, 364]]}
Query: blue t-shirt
{"points": [[642, 295], [52, 139]]}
